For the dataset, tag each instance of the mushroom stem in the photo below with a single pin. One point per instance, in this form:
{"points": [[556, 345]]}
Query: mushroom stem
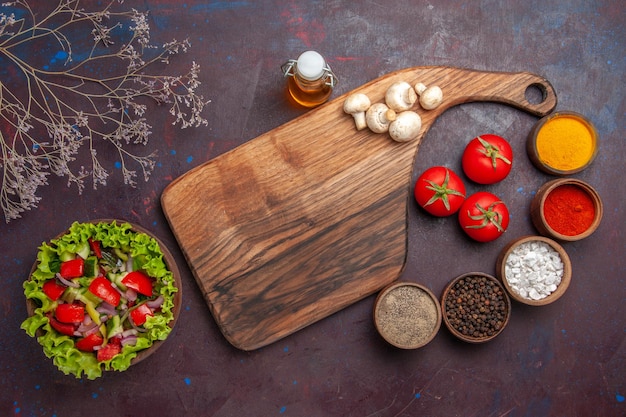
{"points": [[420, 88], [359, 120]]}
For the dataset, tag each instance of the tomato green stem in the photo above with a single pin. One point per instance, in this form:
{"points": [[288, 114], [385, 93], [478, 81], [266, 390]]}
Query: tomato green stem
{"points": [[487, 216], [493, 152], [442, 191]]}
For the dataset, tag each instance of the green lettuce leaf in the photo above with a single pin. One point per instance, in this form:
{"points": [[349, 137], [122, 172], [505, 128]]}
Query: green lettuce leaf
{"points": [[61, 348]]}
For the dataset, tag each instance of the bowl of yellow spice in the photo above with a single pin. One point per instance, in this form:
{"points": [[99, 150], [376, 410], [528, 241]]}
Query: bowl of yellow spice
{"points": [[562, 143]]}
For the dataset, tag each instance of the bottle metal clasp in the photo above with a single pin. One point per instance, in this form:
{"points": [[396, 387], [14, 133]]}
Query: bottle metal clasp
{"points": [[290, 67]]}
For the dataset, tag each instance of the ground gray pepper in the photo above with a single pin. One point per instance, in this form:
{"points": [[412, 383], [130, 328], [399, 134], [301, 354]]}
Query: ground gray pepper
{"points": [[476, 307], [407, 316]]}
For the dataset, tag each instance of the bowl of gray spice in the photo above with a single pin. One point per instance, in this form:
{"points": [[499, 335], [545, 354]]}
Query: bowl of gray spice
{"points": [[407, 315], [475, 307]]}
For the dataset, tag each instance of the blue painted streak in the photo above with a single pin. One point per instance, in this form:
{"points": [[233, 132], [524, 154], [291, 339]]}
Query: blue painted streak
{"points": [[162, 21], [219, 6]]}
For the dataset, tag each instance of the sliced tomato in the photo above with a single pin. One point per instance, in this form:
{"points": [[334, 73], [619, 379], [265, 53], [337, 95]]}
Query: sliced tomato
{"points": [[102, 288], [95, 247], [63, 328], [87, 343], [108, 351], [53, 289], [139, 282], [70, 313], [73, 268], [140, 314]]}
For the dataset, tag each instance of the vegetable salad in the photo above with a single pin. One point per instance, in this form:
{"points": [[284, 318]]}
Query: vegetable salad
{"points": [[102, 293]]}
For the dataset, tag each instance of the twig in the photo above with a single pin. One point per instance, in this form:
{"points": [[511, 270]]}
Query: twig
{"points": [[50, 116]]}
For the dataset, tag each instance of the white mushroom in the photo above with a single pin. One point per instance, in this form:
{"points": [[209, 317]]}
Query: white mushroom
{"points": [[400, 96], [430, 97], [356, 105], [405, 127], [378, 117]]}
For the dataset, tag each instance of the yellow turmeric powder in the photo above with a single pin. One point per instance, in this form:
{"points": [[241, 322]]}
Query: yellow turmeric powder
{"points": [[566, 142]]}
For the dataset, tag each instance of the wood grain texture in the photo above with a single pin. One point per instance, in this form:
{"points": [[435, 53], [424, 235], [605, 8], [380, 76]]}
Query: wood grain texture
{"points": [[311, 217]]}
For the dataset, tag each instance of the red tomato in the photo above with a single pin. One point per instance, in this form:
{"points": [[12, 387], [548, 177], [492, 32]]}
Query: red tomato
{"points": [[73, 268], [439, 191], [140, 314], [95, 247], [87, 343], [53, 289], [487, 159], [108, 351], [103, 288], [63, 328], [70, 313], [483, 216], [139, 282]]}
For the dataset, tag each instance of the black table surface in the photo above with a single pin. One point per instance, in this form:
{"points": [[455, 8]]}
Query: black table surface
{"points": [[564, 359]]}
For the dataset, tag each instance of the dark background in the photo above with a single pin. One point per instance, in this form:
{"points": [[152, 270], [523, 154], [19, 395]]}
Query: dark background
{"points": [[565, 359]]}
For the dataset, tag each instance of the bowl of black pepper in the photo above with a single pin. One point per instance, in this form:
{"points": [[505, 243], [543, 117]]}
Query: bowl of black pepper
{"points": [[475, 307]]}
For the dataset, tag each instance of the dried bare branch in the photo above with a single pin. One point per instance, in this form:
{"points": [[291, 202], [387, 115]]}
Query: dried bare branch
{"points": [[49, 114]]}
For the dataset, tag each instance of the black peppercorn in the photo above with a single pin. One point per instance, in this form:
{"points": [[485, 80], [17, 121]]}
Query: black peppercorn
{"points": [[476, 307]]}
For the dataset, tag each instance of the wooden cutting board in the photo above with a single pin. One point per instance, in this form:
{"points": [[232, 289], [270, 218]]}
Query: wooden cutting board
{"points": [[311, 217]]}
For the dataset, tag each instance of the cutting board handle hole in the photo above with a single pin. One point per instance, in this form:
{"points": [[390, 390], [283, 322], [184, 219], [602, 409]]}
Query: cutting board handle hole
{"points": [[536, 93]]}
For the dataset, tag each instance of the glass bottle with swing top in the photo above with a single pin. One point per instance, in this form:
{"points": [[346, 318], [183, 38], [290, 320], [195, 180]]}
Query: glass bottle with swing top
{"points": [[310, 81]]}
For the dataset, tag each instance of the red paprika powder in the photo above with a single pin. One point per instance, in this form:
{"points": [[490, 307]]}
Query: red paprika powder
{"points": [[569, 210]]}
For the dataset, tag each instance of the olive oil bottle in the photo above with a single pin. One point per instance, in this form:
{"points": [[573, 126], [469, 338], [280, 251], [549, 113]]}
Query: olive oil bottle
{"points": [[310, 81]]}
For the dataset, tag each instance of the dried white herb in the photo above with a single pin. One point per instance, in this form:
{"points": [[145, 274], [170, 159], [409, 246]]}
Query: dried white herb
{"points": [[51, 111]]}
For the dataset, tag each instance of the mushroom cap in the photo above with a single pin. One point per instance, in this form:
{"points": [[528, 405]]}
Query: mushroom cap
{"points": [[400, 96], [405, 127], [355, 103], [431, 97], [378, 117]]}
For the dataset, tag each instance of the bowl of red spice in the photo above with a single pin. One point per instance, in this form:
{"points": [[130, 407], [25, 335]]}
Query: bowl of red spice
{"points": [[407, 315], [562, 143], [566, 209], [535, 270], [475, 307]]}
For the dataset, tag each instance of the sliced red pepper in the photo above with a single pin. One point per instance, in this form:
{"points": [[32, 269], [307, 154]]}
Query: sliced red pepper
{"points": [[70, 313], [108, 351], [87, 343], [139, 282], [53, 289], [140, 314], [73, 268], [102, 288], [63, 328], [95, 247]]}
